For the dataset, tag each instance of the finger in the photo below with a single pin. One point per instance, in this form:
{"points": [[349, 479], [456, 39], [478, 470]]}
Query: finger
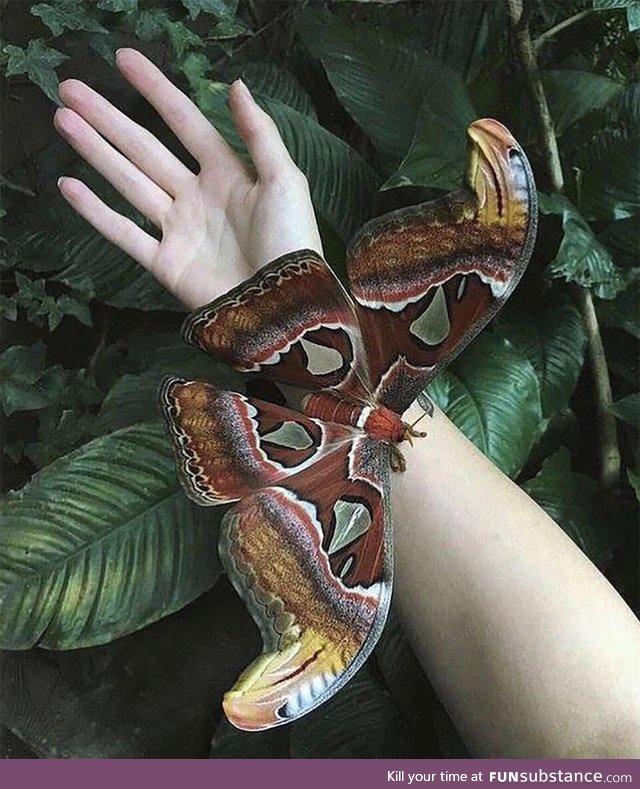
{"points": [[131, 182], [191, 127], [260, 134], [122, 232], [135, 142]]}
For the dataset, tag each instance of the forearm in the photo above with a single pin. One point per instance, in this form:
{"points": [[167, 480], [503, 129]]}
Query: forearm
{"points": [[532, 651]]}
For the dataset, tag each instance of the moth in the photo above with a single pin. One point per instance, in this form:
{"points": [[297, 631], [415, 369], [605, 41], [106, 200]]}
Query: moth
{"points": [[309, 545]]}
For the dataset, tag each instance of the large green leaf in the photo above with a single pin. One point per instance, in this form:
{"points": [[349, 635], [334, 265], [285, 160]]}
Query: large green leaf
{"points": [[342, 184], [492, 394], [155, 693], [437, 153], [101, 543], [628, 409], [574, 501], [381, 79], [622, 312], [359, 722], [581, 257], [273, 81], [552, 337], [608, 173], [115, 278], [572, 94], [133, 398]]}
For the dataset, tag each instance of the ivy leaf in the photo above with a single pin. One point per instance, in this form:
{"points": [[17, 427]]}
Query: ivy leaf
{"points": [[8, 307], [150, 24], [628, 409], [101, 543], [116, 6], [78, 309], [553, 338], [25, 384], [492, 394], [574, 501], [581, 257], [572, 94], [38, 62], [219, 8], [66, 15], [181, 37]]}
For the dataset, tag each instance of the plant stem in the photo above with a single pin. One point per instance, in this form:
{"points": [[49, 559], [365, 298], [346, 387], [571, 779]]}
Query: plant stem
{"points": [[607, 429], [4, 181], [560, 26]]}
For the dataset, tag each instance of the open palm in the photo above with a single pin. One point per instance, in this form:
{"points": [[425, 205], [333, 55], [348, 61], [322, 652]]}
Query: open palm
{"points": [[219, 225]]}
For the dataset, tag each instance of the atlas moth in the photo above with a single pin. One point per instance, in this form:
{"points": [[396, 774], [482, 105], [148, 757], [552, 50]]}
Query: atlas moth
{"points": [[309, 545]]}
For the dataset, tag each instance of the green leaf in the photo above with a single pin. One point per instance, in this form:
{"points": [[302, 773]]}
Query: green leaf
{"points": [[492, 394], [608, 176], [25, 384], [274, 82], [219, 8], [116, 278], [553, 338], [622, 312], [127, 6], [66, 15], [38, 62], [8, 307], [628, 409], [407, 683], [573, 94], [359, 722], [181, 37], [71, 306], [381, 79], [155, 693], [437, 153], [342, 184], [134, 397], [581, 257], [574, 501], [150, 24], [231, 743], [101, 543], [634, 481]]}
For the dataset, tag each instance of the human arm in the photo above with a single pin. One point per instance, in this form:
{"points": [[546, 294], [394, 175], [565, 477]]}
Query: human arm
{"points": [[473, 573], [532, 651]]}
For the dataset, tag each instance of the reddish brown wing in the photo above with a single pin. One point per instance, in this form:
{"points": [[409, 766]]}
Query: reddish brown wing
{"points": [[428, 278], [312, 560], [292, 321], [229, 445]]}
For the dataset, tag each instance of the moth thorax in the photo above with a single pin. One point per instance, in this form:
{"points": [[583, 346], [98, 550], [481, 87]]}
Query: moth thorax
{"points": [[384, 425]]}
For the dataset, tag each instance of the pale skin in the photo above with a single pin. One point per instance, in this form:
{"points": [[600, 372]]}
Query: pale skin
{"points": [[532, 651]]}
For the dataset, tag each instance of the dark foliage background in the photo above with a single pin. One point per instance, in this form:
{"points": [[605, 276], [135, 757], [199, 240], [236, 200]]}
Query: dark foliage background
{"points": [[120, 631]]}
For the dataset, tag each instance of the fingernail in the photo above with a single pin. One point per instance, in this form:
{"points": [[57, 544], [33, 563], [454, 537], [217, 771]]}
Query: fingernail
{"points": [[60, 181], [243, 86]]}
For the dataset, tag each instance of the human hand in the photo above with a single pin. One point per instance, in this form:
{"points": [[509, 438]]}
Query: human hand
{"points": [[218, 226]]}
